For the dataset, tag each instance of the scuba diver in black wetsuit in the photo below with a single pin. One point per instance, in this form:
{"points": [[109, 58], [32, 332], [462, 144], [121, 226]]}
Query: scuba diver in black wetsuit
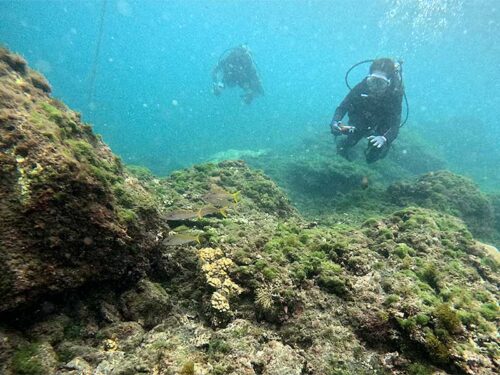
{"points": [[237, 69], [374, 107]]}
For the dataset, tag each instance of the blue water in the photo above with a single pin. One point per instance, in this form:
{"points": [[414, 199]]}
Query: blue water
{"points": [[155, 54]]}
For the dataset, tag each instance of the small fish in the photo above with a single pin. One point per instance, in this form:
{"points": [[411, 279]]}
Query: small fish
{"points": [[211, 210], [220, 197], [181, 228], [175, 239], [181, 215]]}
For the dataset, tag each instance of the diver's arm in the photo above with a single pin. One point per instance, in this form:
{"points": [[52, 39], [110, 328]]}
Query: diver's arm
{"points": [[340, 112], [346, 104]]}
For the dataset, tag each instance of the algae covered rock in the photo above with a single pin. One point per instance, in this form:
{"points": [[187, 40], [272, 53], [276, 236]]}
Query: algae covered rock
{"points": [[65, 212], [327, 188], [437, 291], [417, 296], [77, 366], [127, 335], [34, 359], [148, 304], [252, 189], [447, 192], [276, 358], [50, 330], [10, 341]]}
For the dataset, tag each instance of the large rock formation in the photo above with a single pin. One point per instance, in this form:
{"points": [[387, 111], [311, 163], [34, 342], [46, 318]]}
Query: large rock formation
{"points": [[447, 192], [327, 188], [64, 214]]}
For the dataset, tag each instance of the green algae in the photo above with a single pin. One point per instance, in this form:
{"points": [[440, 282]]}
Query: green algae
{"points": [[83, 151], [187, 368], [449, 193], [73, 331], [419, 369], [447, 318], [402, 250], [218, 346], [53, 113], [26, 362], [140, 172], [430, 275], [333, 283], [436, 348], [126, 216], [490, 311]]}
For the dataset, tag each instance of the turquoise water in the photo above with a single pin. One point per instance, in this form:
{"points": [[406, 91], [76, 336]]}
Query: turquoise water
{"points": [[152, 100]]}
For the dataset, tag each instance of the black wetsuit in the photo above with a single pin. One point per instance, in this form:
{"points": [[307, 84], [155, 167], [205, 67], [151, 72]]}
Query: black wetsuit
{"points": [[371, 115], [238, 69]]}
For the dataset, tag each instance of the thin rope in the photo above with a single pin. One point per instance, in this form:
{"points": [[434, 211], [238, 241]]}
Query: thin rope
{"points": [[93, 73]]}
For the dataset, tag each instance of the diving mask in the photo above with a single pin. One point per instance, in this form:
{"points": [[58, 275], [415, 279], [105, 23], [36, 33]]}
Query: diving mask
{"points": [[377, 82]]}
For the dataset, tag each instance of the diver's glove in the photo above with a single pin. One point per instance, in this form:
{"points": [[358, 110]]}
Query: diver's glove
{"points": [[335, 128], [338, 128], [377, 140]]}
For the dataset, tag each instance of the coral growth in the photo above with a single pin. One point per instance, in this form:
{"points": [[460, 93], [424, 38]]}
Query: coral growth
{"points": [[215, 266]]}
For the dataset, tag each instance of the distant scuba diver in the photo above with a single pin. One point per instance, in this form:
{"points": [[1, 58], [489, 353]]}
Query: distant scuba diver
{"points": [[237, 68], [374, 108]]}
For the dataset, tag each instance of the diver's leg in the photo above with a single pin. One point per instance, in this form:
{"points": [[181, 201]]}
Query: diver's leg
{"points": [[346, 143]]}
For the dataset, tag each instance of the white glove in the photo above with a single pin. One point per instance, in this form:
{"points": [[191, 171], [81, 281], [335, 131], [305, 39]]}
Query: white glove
{"points": [[335, 128], [377, 140]]}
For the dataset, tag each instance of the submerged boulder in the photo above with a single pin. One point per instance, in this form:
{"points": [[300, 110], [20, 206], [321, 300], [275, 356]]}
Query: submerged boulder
{"points": [[66, 215], [327, 188], [447, 192], [148, 304]]}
